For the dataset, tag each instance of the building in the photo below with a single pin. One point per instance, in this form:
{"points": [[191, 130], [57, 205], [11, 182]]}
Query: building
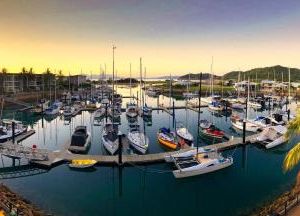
{"points": [[77, 79], [243, 86]]}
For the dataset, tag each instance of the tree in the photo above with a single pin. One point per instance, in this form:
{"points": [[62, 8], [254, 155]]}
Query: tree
{"points": [[293, 156]]}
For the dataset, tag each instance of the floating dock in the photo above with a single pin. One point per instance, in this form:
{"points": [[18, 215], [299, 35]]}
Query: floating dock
{"points": [[64, 155]]}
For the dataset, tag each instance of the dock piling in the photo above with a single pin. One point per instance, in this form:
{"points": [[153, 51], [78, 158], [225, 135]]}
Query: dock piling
{"points": [[244, 131], [13, 126], [120, 148]]}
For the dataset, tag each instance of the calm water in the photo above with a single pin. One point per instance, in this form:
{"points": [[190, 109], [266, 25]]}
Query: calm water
{"points": [[254, 179]]}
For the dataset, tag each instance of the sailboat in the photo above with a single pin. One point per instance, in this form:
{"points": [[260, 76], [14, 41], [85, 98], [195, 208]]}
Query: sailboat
{"points": [[110, 132], [208, 129], [237, 104], [188, 94], [146, 111], [165, 136], [131, 108], [137, 139], [183, 134]]}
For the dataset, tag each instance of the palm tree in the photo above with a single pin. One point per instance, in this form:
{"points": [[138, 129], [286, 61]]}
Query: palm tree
{"points": [[293, 156]]}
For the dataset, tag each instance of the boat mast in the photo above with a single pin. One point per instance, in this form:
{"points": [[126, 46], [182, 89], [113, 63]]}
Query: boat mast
{"points": [[113, 86], [140, 81], [289, 85], [212, 77], [248, 97], [55, 85], [144, 87], [199, 110], [130, 83]]}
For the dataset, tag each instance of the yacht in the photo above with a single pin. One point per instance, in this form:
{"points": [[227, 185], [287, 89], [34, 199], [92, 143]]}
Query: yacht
{"points": [[272, 136], [110, 139], [138, 139]]}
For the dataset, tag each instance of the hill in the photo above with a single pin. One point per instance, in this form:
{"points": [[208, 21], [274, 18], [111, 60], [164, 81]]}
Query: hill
{"points": [[272, 73], [196, 76]]}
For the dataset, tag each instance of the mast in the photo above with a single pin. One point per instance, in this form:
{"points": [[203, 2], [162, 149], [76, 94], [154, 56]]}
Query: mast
{"points": [[140, 80], [130, 82], [289, 85], [199, 110], [144, 86], [248, 97], [113, 87], [212, 76], [55, 86]]}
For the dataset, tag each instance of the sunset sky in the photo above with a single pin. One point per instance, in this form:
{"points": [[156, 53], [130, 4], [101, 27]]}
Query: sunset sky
{"points": [[172, 36]]}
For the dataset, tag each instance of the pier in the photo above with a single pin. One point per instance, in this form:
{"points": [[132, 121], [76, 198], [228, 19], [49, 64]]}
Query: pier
{"points": [[64, 155]]}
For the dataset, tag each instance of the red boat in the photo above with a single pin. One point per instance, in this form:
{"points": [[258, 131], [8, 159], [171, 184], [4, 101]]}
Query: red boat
{"points": [[212, 132]]}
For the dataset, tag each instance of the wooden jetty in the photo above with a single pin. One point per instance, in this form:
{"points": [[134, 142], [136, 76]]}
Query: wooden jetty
{"points": [[64, 155]]}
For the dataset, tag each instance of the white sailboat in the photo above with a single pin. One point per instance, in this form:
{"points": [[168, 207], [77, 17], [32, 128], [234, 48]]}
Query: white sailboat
{"points": [[137, 139], [6, 131], [199, 163]]}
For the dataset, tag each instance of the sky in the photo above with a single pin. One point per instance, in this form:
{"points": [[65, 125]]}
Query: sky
{"points": [[172, 36]]}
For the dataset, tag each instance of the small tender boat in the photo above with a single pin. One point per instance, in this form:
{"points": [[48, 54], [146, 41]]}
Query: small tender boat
{"points": [[81, 140], [167, 138], [82, 164], [6, 131], [198, 164], [272, 136], [110, 139], [138, 139]]}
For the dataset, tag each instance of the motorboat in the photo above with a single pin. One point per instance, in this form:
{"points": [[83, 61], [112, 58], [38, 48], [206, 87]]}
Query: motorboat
{"points": [[238, 106], [212, 132], [80, 141], [198, 164], [167, 138], [110, 139], [254, 105], [138, 140], [6, 130], [272, 136]]}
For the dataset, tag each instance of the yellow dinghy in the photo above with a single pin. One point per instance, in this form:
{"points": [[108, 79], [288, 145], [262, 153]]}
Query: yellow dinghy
{"points": [[81, 164]]}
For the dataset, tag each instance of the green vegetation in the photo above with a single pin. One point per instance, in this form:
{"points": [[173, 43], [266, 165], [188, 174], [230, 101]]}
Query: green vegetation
{"points": [[197, 76], [272, 73]]}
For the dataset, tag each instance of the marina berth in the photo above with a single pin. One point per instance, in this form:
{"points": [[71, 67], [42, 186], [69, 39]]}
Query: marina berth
{"points": [[198, 164], [167, 138], [272, 136], [6, 129], [109, 137], [80, 141]]}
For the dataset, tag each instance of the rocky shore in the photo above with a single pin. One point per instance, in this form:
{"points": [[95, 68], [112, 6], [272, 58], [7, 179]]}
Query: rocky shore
{"points": [[13, 204]]}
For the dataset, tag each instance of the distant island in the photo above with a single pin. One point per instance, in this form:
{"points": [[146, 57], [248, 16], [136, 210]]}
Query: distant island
{"points": [[276, 72]]}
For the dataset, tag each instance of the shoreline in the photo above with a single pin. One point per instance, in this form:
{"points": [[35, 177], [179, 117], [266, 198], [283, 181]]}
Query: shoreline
{"points": [[13, 204]]}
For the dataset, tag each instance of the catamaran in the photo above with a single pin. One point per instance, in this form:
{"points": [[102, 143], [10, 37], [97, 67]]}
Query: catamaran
{"points": [[198, 163]]}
